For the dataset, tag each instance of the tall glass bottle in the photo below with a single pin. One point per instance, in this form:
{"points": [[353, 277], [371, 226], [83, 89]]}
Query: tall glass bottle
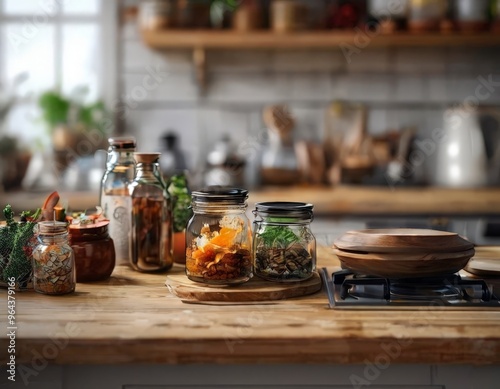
{"points": [[152, 227], [115, 199]]}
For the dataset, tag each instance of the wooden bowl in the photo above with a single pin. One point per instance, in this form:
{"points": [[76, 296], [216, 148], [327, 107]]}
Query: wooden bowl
{"points": [[402, 240], [394, 265]]}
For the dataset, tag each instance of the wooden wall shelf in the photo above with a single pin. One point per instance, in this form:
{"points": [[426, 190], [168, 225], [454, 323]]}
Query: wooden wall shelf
{"points": [[227, 39], [201, 40]]}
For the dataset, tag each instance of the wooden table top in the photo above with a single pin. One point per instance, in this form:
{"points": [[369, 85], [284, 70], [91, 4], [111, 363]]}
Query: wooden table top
{"points": [[132, 318]]}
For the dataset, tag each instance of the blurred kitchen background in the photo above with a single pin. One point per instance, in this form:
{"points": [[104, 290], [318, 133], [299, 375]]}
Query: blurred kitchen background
{"points": [[287, 93]]}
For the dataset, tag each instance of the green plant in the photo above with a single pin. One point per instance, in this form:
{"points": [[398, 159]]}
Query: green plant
{"points": [[218, 9], [58, 109], [179, 191]]}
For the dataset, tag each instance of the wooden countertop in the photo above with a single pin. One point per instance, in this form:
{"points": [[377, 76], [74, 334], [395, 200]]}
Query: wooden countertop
{"points": [[132, 318], [341, 201], [385, 201]]}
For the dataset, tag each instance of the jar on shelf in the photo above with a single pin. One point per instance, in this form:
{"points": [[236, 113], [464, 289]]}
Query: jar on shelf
{"points": [[284, 248], [94, 250], [427, 15], [152, 222], [157, 14], [218, 237], [114, 198], [53, 260]]}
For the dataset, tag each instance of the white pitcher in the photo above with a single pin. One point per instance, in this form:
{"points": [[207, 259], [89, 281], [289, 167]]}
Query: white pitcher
{"points": [[461, 155]]}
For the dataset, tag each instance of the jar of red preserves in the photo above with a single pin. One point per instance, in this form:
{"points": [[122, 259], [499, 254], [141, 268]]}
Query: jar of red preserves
{"points": [[94, 250]]}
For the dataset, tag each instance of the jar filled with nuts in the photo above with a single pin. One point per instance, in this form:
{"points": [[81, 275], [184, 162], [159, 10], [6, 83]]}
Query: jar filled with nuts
{"points": [[284, 248], [53, 260], [218, 237]]}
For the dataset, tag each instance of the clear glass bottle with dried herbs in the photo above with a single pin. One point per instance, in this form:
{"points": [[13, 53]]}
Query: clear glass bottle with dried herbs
{"points": [[218, 237], [152, 221], [284, 247], [53, 260]]}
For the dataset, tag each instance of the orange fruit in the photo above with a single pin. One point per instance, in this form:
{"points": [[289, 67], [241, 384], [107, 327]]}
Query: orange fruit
{"points": [[225, 238]]}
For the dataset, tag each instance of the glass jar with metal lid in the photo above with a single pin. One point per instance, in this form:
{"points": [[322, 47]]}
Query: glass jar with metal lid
{"points": [[218, 237], [284, 248]]}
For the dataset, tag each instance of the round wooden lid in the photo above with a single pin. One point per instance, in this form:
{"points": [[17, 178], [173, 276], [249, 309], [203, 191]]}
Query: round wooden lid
{"points": [[402, 240], [390, 265]]}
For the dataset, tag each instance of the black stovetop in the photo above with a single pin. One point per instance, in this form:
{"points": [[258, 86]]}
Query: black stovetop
{"points": [[348, 290]]}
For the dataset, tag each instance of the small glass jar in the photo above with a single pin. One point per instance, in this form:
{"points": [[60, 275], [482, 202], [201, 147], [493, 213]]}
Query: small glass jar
{"points": [[53, 260], [218, 237], [284, 248], [152, 222], [94, 250]]}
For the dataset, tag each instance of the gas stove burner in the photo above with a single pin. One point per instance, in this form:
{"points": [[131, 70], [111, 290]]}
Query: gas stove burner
{"points": [[425, 288], [346, 289]]}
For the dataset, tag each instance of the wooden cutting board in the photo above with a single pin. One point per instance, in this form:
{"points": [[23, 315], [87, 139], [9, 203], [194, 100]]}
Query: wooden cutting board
{"points": [[486, 262], [255, 290]]}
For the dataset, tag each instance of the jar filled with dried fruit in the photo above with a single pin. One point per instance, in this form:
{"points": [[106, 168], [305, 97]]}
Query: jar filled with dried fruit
{"points": [[152, 221], [284, 248], [53, 260], [218, 237]]}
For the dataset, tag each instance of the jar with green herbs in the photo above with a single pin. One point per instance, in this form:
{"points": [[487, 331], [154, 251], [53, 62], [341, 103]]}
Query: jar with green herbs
{"points": [[284, 248]]}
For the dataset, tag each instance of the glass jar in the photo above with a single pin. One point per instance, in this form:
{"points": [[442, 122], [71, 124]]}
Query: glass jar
{"points": [[284, 248], [218, 237], [115, 199], [53, 260], [152, 222], [94, 250]]}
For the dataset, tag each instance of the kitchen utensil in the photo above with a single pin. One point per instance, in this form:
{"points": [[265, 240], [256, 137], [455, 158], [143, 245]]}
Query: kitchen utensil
{"points": [[461, 155], [254, 290], [402, 240], [387, 267], [279, 164]]}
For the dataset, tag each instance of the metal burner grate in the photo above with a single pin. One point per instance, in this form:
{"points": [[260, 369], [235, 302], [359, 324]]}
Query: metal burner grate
{"points": [[346, 289]]}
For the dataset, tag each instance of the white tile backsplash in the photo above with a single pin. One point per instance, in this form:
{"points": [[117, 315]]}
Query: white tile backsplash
{"points": [[240, 61], [308, 61], [148, 125], [410, 89], [401, 87], [170, 87], [420, 60], [315, 87], [247, 88], [370, 61]]}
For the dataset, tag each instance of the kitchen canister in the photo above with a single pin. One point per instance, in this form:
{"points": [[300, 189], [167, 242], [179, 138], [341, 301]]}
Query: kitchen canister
{"points": [[53, 260], [284, 248], [94, 250], [218, 237]]}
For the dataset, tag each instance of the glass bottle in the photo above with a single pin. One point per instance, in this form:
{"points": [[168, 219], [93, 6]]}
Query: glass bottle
{"points": [[53, 260], [218, 237], [152, 230], [284, 248], [115, 199]]}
